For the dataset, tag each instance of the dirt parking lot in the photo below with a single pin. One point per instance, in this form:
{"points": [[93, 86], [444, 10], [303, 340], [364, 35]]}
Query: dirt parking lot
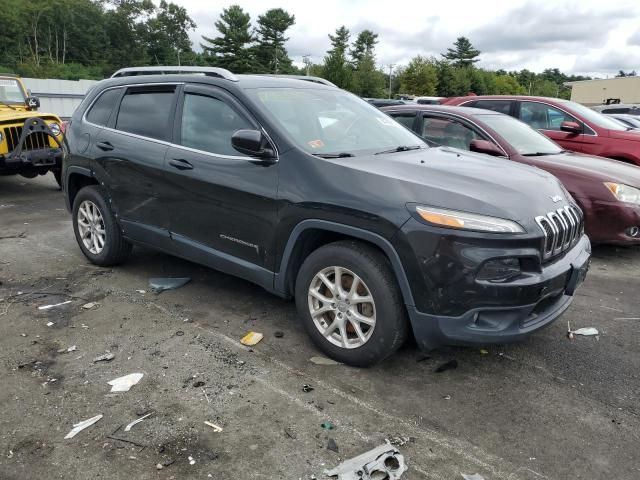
{"points": [[550, 408]]}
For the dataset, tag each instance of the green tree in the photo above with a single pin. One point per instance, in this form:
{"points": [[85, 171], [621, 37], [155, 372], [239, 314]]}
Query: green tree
{"points": [[168, 34], [126, 30], [446, 78], [364, 44], [461, 81], [508, 85], [420, 77], [367, 80], [232, 49], [463, 54], [270, 35], [336, 68]]}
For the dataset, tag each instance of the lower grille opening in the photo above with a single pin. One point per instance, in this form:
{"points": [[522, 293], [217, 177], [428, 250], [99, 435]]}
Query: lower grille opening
{"points": [[35, 141]]}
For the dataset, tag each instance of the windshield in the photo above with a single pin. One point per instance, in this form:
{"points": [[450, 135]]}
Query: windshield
{"points": [[331, 121], [10, 91], [597, 118], [520, 136]]}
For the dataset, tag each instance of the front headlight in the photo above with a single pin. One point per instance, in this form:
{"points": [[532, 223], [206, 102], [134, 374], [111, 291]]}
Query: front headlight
{"points": [[624, 193], [467, 221], [55, 129]]}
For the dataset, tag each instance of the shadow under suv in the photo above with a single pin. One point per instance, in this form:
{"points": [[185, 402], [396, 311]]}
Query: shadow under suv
{"points": [[312, 193]]}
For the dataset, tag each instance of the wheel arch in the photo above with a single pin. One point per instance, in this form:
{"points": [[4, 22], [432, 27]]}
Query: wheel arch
{"points": [[75, 179], [310, 235]]}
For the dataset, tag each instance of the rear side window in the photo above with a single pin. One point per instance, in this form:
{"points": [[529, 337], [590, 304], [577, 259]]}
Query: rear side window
{"points": [[101, 109], [405, 119], [146, 113], [502, 106], [615, 110], [544, 117], [449, 132]]}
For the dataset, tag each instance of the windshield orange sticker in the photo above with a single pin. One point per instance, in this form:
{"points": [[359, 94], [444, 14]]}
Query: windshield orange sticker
{"points": [[316, 143]]}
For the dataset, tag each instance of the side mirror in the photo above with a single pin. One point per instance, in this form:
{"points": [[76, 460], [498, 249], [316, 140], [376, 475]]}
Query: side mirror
{"points": [[253, 143], [33, 103], [486, 147], [571, 127]]}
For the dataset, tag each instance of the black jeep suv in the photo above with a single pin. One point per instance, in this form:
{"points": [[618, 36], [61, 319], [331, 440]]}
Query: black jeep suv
{"points": [[313, 193]]}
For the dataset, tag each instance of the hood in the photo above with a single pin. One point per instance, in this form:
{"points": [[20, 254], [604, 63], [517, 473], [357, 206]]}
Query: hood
{"points": [[459, 180], [8, 115], [633, 135], [591, 167]]}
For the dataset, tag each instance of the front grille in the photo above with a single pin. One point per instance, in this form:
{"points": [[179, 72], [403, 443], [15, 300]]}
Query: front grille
{"points": [[562, 229], [35, 141]]}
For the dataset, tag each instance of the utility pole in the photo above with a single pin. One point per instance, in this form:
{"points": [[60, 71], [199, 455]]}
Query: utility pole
{"points": [[390, 73], [275, 60], [307, 62]]}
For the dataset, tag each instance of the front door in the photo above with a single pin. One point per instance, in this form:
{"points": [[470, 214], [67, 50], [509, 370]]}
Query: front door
{"points": [[222, 204], [548, 120]]}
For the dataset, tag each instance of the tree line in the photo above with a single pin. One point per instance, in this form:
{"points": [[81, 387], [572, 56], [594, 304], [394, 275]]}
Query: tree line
{"points": [[91, 39]]}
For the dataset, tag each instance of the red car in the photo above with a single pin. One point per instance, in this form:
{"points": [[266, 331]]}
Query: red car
{"points": [[607, 191], [573, 126]]}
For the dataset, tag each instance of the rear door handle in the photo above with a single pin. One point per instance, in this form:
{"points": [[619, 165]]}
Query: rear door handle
{"points": [[180, 164], [106, 146]]}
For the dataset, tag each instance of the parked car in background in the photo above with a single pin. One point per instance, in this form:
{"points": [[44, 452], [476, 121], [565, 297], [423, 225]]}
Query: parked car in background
{"points": [[384, 102], [607, 191], [428, 100], [625, 108], [631, 121], [573, 126], [312, 193]]}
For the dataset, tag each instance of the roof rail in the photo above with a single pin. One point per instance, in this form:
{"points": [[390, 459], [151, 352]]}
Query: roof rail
{"points": [[307, 78], [175, 70]]}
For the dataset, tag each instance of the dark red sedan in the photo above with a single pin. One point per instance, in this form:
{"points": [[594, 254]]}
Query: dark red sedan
{"points": [[573, 126], [608, 191]]}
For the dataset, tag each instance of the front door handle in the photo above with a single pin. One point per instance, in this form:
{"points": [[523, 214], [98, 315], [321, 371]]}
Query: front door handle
{"points": [[180, 164], [106, 146]]}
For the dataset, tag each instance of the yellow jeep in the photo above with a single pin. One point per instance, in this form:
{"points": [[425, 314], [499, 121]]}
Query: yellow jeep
{"points": [[30, 142]]}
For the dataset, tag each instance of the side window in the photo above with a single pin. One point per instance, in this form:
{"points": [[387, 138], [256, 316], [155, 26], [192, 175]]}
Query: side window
{"points": [[208, 124], [406, 119], [101, 109], [449, 132], [615, 110], [502, 106], [146, 113], [545, 117]]}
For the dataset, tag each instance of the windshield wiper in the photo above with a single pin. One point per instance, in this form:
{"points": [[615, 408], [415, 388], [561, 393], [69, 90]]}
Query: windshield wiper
{"points": [[540, 154], [400, 148], [334, 155], [7, 105]]}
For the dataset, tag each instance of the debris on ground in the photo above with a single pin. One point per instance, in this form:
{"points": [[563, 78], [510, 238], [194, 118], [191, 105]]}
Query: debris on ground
{"points": [[123, 384], [484, 352], [475, 476], [306, 388], [161, 284], [450, 365], [290, 434], [327, 425], [585, 332], [384, 461], [323, 361], [332, 445], [191, 460], [78, 427], [135, 422], [251, 338], [141, 291], [215, 427], [90, 305], [107, 357], [72, 348], [48, 307], [14, 235], [50, 324], [278, 334], [199, 384], [398, 440]]}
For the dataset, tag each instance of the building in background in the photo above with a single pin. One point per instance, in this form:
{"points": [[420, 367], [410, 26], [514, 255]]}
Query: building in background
{"points": [[58, 96], [610, 90]]}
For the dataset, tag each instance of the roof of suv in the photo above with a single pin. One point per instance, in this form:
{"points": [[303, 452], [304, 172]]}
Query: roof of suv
{"points": [[503, 97], [440, 108]]}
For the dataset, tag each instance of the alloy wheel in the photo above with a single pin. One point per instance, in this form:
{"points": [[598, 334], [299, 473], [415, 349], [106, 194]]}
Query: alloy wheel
{"points": [[91, 227]]}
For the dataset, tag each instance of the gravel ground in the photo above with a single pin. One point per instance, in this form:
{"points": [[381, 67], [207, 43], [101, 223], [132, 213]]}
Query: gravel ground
{"points": [[549, 408]]}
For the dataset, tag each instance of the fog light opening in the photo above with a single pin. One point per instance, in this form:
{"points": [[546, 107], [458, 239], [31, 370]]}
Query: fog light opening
{"points": [[633, 232]]}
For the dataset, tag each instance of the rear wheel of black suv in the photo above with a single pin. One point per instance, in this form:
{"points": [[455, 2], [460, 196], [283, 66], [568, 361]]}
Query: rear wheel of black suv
{"points": [[96, 229], [350, 304]]}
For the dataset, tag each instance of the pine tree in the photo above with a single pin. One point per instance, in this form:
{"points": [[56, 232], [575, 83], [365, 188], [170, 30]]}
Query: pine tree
{"points": [[463, 54], [364, 44], [232, 49], [270, 35], [336, 68]]}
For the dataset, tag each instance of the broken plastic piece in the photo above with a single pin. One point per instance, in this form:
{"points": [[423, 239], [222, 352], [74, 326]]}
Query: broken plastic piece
{"points": [[587, 332], [135, 422], [323, 361], [251, 338], [475, 476], [327, 425], [50, 324], [332, 445], [306, 388], [162, 284], [47, 307], [384, 461], [123, 384], [215, 427], [78, 427], [191, 460], [107, 357], [90, 305]]}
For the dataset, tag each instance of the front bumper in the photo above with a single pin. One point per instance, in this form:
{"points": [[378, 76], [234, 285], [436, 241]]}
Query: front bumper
{"points": [[610, 222], [455, 308], [41, 159]]}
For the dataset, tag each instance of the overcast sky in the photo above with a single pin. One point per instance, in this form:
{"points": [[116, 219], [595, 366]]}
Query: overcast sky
{"points": [[592, 37]]}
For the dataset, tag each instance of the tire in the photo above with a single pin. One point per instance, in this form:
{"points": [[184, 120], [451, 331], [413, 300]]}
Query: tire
{"points": [[114, 249], [375, 279], [58, 176]]}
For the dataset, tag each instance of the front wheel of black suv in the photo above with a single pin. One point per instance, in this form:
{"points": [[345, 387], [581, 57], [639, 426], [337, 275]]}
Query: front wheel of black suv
{"points": [[350, 304], [96, 229]]}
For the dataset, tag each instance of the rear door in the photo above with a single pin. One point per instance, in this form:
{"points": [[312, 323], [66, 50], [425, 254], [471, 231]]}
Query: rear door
{"points": [[131, 152], [508, 107], [221, 202], [448, 131]]}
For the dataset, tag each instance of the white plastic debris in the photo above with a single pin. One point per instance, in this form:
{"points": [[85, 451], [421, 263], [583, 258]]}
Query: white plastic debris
{"points": [[78, 427], [123, 384], [215, 427], [384, 461], [90, 305], [141, 291], [475, 476], [47, 307], [135, 422], [50, 324], [161, 284], [107, 357], [191, 460], [323, 361], [585, 332]]}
